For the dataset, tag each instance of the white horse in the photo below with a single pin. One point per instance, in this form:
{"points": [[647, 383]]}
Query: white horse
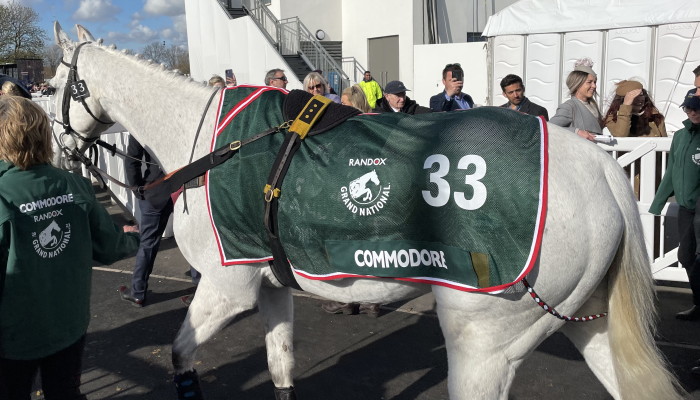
{"points": [[592, 256]]}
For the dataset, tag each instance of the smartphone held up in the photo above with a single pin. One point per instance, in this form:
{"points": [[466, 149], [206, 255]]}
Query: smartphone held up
{"points": [[230, 78]]}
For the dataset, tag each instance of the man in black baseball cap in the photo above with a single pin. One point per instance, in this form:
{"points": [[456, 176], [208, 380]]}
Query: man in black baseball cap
{"points": [[395, 100], [691, 101]]}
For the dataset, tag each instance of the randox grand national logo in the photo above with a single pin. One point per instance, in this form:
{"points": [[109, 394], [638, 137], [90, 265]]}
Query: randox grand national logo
{"points": [[365, 195], [52, 240]]}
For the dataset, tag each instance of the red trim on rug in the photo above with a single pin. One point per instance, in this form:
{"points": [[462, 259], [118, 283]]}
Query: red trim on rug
{"points": [[536, 246], [241, 105], [233, 112]]}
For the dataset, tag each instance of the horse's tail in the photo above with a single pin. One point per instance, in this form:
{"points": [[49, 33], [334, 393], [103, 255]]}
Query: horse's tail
{"points": [[640, 368]]}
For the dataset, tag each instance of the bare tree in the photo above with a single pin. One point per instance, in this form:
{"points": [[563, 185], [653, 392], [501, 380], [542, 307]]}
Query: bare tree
{"points": [[20, 34], [155, 52], [179, 58], [174, 57], [52, 55]]}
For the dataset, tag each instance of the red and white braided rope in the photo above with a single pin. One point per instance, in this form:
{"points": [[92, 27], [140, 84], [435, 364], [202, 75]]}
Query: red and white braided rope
{"points": [[554, 312]]}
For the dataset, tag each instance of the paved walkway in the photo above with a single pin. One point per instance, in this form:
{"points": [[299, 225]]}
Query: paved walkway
{"points": [[400, 355]]}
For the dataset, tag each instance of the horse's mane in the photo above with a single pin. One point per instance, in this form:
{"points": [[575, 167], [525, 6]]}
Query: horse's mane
{"points": [[173, 77]]}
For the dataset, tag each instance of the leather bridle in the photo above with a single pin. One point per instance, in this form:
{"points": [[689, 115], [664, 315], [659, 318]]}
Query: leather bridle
{"points": [[76, 89]]}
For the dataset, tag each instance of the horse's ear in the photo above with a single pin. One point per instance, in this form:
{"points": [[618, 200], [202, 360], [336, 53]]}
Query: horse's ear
{"points": [[84, 35], [61, 38]]}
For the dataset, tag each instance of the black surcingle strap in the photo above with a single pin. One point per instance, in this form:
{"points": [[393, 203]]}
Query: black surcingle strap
{"points": [[308, 121]]}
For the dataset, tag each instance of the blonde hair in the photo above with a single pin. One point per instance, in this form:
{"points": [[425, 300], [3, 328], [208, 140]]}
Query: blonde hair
{"points": [[25, 132], [10, 88], [314, 77], [357, 98], [216, 79]]}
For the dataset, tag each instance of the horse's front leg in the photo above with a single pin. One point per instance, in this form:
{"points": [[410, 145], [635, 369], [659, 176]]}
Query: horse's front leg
{"points": [[276, 309], [209, 312]]}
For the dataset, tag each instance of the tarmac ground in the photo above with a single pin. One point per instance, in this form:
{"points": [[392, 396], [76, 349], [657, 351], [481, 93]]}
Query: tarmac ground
{"points": [[400, 355]]}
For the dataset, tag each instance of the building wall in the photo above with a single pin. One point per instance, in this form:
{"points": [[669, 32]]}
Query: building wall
{"points": [[366, 19], [457, 17], [317, 14], [431, 59], [217, 43]]}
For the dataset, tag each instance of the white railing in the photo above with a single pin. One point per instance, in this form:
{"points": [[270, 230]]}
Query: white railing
{"points": [[646, 157]]}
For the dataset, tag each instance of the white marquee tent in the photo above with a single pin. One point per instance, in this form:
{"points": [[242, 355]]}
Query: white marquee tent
{"points": [[656, 42]]}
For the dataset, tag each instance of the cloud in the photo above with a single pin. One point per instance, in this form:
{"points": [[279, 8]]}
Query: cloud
{"points": [[96, 10], [138, 33], [164, 7]]}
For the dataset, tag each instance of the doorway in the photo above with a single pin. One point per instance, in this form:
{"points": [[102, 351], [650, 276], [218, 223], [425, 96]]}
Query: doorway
{"points": [[383, 58]]}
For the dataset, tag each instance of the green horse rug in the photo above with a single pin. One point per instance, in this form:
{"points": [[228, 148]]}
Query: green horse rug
{"points": [[454, 199]]}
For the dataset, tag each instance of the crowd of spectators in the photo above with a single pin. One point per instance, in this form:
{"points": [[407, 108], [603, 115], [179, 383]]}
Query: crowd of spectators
{"points": [[55, 342]]}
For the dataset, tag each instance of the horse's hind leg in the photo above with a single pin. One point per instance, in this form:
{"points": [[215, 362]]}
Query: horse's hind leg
{"points": [[478, 366], [591, 338], [209, 312], [276, 309]]}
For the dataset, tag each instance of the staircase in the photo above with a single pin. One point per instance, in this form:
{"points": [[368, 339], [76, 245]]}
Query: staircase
{"points": [[299, 46], [298, 66], [334, 49], [236, 12]]}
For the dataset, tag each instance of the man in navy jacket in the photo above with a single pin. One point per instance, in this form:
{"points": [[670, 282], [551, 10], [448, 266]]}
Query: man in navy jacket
{"points": [[452, 97]]}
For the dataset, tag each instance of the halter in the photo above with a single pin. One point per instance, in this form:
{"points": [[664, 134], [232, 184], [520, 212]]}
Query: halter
{"points": [[77, 89]]}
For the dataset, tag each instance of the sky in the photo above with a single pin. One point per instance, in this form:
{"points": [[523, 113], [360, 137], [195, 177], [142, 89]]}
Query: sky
{"points": [[128, 24]]}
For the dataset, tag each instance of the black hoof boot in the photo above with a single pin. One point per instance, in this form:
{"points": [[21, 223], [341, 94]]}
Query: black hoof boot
{"points": [[285, 393], [187, 386]]}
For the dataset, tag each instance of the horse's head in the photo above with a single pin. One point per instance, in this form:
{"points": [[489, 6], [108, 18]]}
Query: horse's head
{"points": [[80, 117], [373, 177]]}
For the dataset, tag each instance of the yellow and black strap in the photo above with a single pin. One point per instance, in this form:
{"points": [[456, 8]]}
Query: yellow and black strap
{"points": [[298, 130]]}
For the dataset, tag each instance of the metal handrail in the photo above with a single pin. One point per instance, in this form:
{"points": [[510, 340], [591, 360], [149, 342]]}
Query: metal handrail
{"points": [[353, 68], [264, 19], [291, 37]]}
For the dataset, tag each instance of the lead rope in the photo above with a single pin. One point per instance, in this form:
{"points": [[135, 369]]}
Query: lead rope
{"points": [[194, 145], [554, 312]]}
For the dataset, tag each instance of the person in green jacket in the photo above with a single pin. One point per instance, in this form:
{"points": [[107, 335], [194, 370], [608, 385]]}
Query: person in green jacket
{"points": [[682, 180], [51, 230], [372, 90]]}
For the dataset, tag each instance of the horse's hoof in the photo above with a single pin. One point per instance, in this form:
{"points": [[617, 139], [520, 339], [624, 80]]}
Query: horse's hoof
{"points": [[371, 309], [335, 307], [285, 393], [187, 386]]}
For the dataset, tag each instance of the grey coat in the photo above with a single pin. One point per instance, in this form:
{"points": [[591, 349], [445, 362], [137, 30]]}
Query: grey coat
{"points": [[572, 114]]}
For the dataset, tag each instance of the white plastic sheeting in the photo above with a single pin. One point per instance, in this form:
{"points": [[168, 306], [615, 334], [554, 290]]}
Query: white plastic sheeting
{"points": [[655, 42], [554, 16]]}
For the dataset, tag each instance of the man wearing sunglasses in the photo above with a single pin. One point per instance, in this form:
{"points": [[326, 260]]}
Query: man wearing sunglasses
{"points": [[276, 78], [682, 180]]}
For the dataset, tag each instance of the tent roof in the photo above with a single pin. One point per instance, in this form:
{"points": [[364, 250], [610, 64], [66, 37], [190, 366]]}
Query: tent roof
{"points": [[552, 16]]}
